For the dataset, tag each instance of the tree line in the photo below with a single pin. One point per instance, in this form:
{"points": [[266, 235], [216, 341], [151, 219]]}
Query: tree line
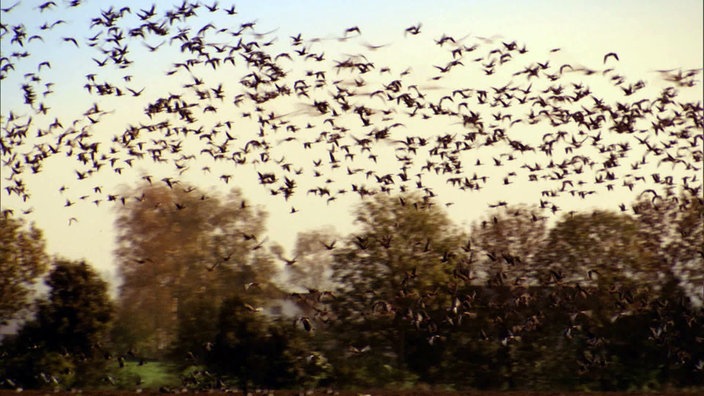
{"points": [[592, 300]]}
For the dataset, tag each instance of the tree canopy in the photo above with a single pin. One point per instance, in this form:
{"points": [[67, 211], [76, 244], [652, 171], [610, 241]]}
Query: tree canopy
{"points": [[180, 254], [594, 301], [63, 345], [23, 260]]}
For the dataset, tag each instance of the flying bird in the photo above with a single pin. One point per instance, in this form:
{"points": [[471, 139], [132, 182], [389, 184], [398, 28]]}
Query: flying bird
{"points": [[612, 55]]}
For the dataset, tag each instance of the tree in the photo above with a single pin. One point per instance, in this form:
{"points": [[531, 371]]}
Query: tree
{"points": [[616, 309], [314, 254], [253, 350], [180, 253], [22, 261], [394, 277], [78, 313], [62, 346], [673, 228], [509, 239], [601, 247]]}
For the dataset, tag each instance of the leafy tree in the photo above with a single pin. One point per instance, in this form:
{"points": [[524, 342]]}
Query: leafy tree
{"points": [[314, 254], [509, 239], [601, 247], [180, 253], [673, 228], [395, 276], [672, 342], [585, 257], [271, 354], [615, 276], [62, 346], [78, 311], [22, 261]]}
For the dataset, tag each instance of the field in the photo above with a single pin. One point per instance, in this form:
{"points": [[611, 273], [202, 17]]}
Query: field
{"points": [[157, 378], [362, 393]]}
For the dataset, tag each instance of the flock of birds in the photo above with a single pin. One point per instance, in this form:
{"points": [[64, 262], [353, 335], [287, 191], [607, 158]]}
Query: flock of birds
{"points": [[360, 127], [485, 111]]}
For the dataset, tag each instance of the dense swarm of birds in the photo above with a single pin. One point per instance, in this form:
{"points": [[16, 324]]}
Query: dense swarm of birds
{"points": [[362, 127], [301, 119]]}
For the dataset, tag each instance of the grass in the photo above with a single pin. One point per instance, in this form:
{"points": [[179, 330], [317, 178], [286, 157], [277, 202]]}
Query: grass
{"points": [[150, 375]]}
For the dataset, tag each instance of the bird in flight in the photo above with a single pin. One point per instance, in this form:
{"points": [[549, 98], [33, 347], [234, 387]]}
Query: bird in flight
{"points": [[610, 55]]}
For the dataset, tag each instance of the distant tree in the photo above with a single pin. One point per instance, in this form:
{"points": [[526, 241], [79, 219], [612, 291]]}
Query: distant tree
{"points": [[616, 310], [598, 248], [673, 228], [63, 345], [314, 255], [78, 313], [253, 350], [241, 333], [673, 334], [506, 242], [180, 253], [22, 261], [394, 277]]}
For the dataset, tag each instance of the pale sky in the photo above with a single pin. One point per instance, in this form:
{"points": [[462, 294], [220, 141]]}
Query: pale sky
{"points": [[647, 36]]}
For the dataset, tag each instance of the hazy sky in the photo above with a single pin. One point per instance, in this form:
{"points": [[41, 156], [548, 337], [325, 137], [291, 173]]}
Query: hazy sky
{"points": [[647, 35]]}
